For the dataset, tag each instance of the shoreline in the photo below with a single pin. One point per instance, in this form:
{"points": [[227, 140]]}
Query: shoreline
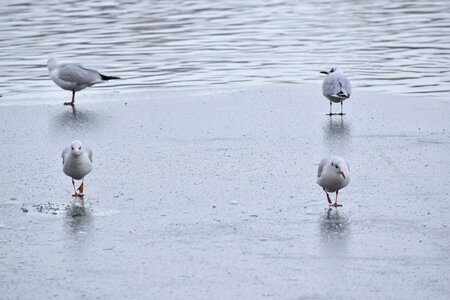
{"points": [[96, 94]]}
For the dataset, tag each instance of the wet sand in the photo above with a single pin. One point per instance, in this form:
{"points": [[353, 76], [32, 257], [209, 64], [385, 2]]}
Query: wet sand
{"points": [[211, 194]]}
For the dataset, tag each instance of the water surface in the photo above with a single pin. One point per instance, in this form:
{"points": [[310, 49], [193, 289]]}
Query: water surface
{"points": [[400, 47]]}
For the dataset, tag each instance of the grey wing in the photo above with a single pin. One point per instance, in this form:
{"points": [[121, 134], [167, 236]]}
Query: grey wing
{"points": [[345, 85], [65, 153], [321, 166], [330, 86], [89, 153], [78, 74]]}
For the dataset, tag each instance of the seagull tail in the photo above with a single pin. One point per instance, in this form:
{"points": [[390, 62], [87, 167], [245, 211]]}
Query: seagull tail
{"points": [[341, 94], [104, 77]]}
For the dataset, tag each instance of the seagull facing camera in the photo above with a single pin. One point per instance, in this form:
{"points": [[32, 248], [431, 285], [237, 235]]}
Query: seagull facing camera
{"points": [[77, 163], [333, 175]]}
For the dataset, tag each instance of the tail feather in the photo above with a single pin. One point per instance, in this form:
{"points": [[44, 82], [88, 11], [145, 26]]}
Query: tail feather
{"points": [[104, 77], [342, 95]]}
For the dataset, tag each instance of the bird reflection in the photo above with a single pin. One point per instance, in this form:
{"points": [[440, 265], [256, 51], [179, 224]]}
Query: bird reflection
{"points": [[75, 120], [74, 110], [337, 133], [336, 128], [78, 218], [334, 230]]}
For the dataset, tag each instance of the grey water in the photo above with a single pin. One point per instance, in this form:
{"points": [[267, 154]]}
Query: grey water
{"points": [[397, 47]]}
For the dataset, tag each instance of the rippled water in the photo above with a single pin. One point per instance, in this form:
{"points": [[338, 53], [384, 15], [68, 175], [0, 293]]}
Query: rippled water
{"points": [[400, 47]]}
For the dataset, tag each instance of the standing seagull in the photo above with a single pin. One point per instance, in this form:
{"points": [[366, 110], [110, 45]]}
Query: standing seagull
{"points": [[77, 163], [74, 77], [336, 87], [333, 175]]}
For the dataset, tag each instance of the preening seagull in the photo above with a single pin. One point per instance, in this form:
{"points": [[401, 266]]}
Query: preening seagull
{"points": [[333, 174], [77, 163], [74, 77], [336, 87]]}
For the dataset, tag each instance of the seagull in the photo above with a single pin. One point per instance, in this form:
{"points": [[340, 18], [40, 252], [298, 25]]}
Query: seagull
{"points": [[333, 174], [77, 163], [74, 77], [336, 87]]}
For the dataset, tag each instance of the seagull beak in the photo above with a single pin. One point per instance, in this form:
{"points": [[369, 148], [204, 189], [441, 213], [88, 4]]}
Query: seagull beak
{"points": [[324, 72], [342, 173]]}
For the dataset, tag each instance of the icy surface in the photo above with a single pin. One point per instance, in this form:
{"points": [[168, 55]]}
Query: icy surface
{"points": [[211, 195]]}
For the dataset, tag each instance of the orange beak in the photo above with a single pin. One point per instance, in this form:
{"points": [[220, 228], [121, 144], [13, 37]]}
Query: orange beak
{"points": [[342, 173]]}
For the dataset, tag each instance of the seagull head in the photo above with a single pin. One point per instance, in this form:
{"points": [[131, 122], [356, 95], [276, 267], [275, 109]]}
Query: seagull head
{"points": [[52, 64], [336, 166], [76, 148], [333, 69]]}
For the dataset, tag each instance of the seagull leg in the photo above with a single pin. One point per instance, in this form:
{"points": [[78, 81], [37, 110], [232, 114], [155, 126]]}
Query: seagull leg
{"points": [[76, 193], [330, 114], [328, 197], [81, 188], [335, 202], [342, 105], [73, 100]]}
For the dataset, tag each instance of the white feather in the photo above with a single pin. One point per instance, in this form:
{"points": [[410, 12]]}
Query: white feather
{"points": [[77, 163], [336, 87], [328, 174]]}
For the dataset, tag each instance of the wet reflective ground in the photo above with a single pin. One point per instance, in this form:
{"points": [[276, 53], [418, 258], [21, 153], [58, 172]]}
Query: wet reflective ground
{"points": [[212, 194], [389, 46]]}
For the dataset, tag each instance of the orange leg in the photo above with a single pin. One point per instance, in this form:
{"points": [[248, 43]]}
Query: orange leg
{"points": [[328, 196], [335, 202], [81, 188], [75, 189]]}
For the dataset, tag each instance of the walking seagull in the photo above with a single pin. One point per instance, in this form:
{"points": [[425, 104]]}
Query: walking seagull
{"points": [[74, 77], [336, 87], [77, 163], [333, 174]]}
